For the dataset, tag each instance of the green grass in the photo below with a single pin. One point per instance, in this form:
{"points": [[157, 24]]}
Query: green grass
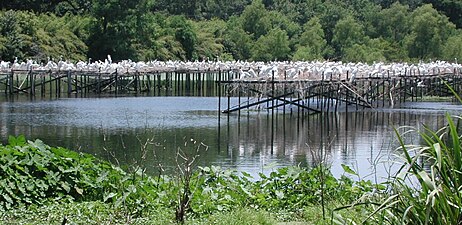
{"points": [[427, 189], [102, 213], [40, 184], [81, 213], [428, 98], [46, 185]]}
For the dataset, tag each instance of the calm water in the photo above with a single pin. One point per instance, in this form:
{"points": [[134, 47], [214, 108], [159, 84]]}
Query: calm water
{"points": [[148, 131]]}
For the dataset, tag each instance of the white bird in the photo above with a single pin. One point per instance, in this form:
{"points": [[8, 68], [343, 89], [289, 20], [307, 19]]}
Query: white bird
{"points": [[243, 74], [327, 73], [353, 75], [109, 59], [421, 84], [252, 73]]}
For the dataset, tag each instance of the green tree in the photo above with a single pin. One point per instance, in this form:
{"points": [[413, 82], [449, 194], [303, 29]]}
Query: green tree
{"points": [[237, 42], [331, 12], [394, 22], [370, 51], [450, 8], [187, 8], [347, 33], [288, 8], [66, 45], [112, 31], [312, 44], [411, 3], [253, 19], [452, 50], [429, 31], [275, 19], [273, 46], [204, 9], [146, 31], [11, 40], [210, 39], [364, 11], [26, 35], [167, 47], [185, 34], [222, 9], [144, 44], [59, 7]]}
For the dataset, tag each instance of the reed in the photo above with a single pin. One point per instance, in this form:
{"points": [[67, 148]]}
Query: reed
{"points": [[427, 188]]}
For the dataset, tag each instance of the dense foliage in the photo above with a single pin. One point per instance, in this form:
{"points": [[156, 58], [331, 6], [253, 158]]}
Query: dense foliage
{"points": [[425, 190], [33, 173], [427, 187], [354, 30]]}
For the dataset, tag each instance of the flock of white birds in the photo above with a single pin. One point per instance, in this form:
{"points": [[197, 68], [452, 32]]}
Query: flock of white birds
{"points": [[297, 70]]}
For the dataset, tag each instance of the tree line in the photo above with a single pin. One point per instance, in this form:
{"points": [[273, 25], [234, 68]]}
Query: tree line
{"points": [[259, 30]]}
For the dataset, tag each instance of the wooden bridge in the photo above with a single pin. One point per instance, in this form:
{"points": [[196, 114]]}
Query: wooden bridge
{"points": [[307, 87], [331, 94], [86, 83]]}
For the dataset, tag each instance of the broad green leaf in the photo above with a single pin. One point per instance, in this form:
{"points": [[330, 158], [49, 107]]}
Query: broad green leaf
{"points": [[347, 169], [66, 186], [16, 141], [279, 194], [245, 174], [7, 198], [426, 179], [437, 149], [78, 190], [109, 196]]}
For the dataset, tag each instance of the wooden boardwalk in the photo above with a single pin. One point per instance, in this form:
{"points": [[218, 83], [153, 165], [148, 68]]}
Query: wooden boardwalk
{"points": [[85, 83], [331, 94], [307, 87]]}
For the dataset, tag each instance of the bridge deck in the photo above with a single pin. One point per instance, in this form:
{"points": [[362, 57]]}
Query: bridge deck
{"points": [[301, 86]]}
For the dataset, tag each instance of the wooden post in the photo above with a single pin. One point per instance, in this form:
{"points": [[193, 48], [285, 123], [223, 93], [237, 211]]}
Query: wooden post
{"points": [[50, 77], [82, 84], [229, 97], [42, 85], [187, 84], [69, 82], [158, 83], [32, 82], [76, 84], [219, 92], [404, 88], [456, 81], [11, 82], [17, 81], [199, 83], [116, 79], [148, 83], [98, 90], [167, 82], [137, 79], [56, 84]]}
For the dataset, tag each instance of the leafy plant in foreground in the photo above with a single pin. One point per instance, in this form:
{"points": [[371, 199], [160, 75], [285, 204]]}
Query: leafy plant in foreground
{"points": [[32, 173], [437, 166], [427, 189]]}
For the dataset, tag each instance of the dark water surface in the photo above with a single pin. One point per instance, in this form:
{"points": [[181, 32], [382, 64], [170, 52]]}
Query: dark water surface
{"points": [[148, 131]]}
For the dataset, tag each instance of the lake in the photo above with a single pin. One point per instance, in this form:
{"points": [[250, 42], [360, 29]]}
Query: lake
{"points": [[149, 131]]}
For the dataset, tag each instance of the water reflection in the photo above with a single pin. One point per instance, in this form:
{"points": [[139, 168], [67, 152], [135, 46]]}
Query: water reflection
{"points": [[361, 139], [148, 131]]}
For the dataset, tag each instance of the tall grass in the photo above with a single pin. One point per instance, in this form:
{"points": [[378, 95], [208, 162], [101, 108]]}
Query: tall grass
{"points": [[436, 165], [427, 189]]}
